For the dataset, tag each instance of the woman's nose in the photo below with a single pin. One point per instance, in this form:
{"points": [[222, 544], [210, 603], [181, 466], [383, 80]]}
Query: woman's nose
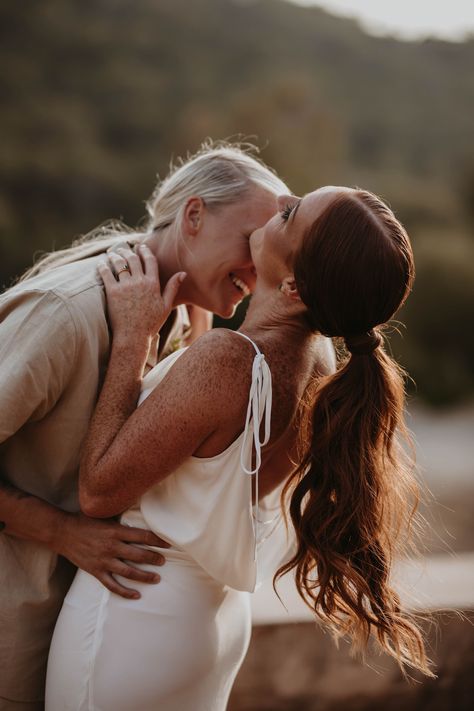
{"points": [[254, 235]]}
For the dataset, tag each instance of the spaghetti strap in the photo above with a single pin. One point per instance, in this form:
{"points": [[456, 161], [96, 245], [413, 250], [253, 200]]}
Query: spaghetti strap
{"points": [[247, 338], [259, 407]]}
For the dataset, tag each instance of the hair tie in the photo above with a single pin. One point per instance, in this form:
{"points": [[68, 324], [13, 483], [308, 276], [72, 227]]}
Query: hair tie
{"points": [[364, 343]]}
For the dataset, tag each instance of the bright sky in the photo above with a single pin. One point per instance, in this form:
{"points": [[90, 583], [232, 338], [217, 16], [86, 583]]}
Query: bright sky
{"points": [[408, 19]]}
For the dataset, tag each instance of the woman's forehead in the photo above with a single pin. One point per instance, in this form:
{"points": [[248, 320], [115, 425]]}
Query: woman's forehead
{"points": [[314, 203], [329, 190]]}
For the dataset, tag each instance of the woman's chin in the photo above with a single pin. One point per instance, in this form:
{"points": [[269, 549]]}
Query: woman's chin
{"points": [[228, 311]]}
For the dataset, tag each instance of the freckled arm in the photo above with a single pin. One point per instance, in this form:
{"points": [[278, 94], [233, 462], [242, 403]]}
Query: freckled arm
{"points": [[128, 450]]}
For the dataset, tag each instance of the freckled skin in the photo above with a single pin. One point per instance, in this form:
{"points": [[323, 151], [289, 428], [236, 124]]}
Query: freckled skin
{"points": [[199, 408]]}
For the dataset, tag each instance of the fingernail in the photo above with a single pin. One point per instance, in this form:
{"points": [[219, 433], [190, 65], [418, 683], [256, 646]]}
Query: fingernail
{"points": [[182, 276], [136, 596], [156, 578]]}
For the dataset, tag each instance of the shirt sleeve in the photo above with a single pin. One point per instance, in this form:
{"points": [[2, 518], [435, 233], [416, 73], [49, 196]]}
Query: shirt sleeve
{"points": [[38, 345]]}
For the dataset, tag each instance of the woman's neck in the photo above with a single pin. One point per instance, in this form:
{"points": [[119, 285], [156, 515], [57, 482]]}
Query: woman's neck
{"points": [[163, 246], [270, 313]]}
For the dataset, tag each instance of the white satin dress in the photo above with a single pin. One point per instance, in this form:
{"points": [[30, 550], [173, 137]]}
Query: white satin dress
{"points": [[180, 646]]}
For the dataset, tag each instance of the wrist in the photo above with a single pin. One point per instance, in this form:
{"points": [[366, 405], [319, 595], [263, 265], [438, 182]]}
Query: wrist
{"points": [[129, 346], [56, 530], [130, 354]]}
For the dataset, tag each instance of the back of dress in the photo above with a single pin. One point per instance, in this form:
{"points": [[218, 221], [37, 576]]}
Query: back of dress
{"points": [[204, 508]]}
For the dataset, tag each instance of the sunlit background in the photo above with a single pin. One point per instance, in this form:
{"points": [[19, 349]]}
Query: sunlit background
{"points": [[406, 19], [98, 95]]}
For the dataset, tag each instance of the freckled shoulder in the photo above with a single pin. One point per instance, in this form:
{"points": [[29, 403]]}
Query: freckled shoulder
{"points": [[219, 365]]}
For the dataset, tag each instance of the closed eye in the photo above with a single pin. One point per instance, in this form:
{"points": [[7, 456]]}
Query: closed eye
{"points": [[286, 212]]}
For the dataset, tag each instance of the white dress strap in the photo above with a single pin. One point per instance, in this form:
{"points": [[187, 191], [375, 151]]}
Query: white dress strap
{"points": [[259, 406]]}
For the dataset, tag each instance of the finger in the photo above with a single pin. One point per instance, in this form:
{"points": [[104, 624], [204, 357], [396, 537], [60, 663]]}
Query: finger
{"points": [[133, 261], [141, 535], [116, 260], [111, 584], [150, 263], [119, 266], [125, 252], [121, 568], [132, 552], [171, 290], [106, 275]]}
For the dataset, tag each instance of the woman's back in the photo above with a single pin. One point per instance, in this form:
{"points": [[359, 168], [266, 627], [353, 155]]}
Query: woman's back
{"points": [[204, 508]]}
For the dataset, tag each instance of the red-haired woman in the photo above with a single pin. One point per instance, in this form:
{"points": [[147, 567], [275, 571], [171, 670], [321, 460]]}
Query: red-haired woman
{"points": [[337, 263]]}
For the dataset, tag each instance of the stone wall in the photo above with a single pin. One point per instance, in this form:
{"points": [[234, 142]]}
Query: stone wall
{"points": [[297, 667]]}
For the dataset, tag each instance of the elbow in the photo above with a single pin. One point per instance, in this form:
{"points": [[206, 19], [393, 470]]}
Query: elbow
{"points": [[94, 499], [100, 496], [94, 506]]}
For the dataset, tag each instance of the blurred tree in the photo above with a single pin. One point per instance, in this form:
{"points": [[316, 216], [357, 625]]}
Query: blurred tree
{"points": [[466, 185], [438, 344], [97, 95]]}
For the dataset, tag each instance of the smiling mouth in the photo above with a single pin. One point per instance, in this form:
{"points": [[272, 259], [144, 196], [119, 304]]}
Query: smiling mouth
{"points": [[241, 285]]}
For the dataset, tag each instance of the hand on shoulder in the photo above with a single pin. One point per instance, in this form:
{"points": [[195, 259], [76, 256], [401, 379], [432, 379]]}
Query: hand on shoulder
{"points": [[136, 304]]}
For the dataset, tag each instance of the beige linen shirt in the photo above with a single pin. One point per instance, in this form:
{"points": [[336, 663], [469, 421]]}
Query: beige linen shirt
{"points": [[54, 347]]}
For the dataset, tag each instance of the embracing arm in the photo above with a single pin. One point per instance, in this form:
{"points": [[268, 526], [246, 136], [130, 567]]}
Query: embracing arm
{"points": [[98, 547], [128, 450], [25, 516]]}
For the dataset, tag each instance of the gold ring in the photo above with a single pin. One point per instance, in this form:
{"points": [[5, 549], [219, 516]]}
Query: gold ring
{"points": [[125, 268]]}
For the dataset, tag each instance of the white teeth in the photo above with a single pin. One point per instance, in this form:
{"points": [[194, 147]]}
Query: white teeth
{"points": [[240, 285]]}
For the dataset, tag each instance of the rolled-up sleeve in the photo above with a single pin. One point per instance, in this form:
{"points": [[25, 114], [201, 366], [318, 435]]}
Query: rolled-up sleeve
{"points": [[38, 345]]}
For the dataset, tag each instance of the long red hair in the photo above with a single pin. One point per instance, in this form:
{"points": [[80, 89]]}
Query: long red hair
{"points": [[353, 494]]}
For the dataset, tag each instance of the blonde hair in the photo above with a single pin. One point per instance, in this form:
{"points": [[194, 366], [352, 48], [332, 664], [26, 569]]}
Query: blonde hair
{"points": [[221, 173]]}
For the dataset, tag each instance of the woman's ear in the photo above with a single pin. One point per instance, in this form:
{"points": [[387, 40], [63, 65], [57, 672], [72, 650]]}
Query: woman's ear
{"points": [[288, 287], [193, 215]]}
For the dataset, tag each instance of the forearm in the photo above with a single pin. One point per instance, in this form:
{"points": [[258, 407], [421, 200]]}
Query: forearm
{"points": [[98, 547], [137, 310], [117, 401], [28, 517]]}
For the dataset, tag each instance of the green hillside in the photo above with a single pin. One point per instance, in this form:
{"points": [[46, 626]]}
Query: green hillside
{"points": [[97, 95]]}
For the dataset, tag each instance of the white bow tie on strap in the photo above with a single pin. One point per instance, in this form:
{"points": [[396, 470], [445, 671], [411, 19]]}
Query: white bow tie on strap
{"points": [[260, 402]]}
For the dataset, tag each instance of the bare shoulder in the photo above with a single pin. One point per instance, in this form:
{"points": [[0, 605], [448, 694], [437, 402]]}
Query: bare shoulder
{"points": [[217, 369], [220, 349], [224, 341]]}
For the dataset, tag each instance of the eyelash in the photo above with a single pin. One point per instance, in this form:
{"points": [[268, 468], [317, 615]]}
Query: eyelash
{"points": [[286, 212]]}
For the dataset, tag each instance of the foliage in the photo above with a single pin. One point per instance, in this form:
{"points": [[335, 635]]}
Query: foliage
{"points": [[99, 94]]}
